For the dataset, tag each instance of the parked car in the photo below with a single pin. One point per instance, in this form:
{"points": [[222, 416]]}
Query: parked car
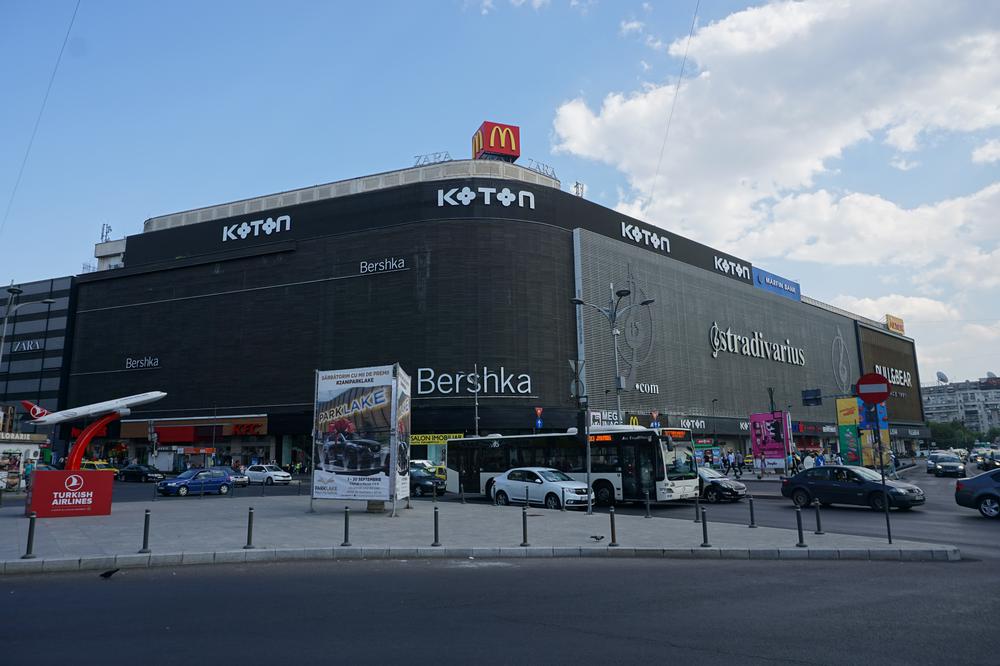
{"points": [[238, 479], [195, 481], [424, 482], [543, 486], [841, 484], [949, 464], [932, 459], [717, 487], [142, 473], [268, 475], [437, 470], [980, 492], [100, 465]]}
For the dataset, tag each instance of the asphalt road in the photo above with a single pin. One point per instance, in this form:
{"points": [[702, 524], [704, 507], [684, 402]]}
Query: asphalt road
{"points": [[491, 612]]}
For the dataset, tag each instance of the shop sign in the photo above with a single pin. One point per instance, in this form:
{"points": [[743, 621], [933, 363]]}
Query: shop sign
{"points": [[776, 284], [254, 228], [64, 493], [895, 376], [434, 439], [488, 382], [754, 345], [25, 346]]}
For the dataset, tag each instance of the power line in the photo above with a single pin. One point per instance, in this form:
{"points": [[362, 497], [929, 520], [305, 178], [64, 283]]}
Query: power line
{"points": [[38, 120], [673, 103]]}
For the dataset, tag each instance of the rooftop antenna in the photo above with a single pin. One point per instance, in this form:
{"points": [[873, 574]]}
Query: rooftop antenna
{"points": [[942, 378], [105, 233], [579, 188], [991, 375]]}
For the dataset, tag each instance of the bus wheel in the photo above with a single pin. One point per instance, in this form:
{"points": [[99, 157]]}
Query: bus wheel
{"points": [[502, 498], [604, 494]]}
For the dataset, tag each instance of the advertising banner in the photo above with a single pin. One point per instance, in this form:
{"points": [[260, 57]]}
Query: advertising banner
{"points": [[848, 416], [867, 423], [361, 430], [63, 493], [769, 437]]}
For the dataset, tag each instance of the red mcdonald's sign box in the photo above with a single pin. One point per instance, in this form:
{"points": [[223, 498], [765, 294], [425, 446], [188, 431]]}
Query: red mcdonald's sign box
{"points": [[498, 141], [63, 493]]}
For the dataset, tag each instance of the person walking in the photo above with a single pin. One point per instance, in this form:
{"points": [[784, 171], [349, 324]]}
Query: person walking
{"points": [[837, 459], [739, 465], [820, 459], [730, 462], [809, 462]]}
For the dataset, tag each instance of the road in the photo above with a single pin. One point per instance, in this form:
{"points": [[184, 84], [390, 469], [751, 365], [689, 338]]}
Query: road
{"points": [[509, 612]]}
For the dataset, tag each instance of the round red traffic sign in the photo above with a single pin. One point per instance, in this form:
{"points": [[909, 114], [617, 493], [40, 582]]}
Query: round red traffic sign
{"points": [[873, 388]]}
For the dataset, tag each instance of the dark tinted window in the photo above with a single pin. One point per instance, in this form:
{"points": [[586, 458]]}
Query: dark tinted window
{"points": [[530, 477], [818, 474], [515, 476]]}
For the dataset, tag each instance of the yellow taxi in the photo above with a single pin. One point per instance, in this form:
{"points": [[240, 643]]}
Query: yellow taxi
{"points": [[97, 465]]}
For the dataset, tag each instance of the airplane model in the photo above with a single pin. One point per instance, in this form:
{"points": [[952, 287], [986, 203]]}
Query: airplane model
{"points": [[121, 406]]}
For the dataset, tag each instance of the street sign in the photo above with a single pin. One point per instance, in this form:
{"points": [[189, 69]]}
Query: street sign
{"points": [[538, 412], [538, 423], [873, 388]]}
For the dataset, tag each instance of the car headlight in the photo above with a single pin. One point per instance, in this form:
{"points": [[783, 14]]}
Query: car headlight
{"points": [[899, 491], [937, 466]]}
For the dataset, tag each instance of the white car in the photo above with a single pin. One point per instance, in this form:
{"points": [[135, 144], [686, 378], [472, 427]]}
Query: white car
{"points": [[268, 475], [543, 485]]}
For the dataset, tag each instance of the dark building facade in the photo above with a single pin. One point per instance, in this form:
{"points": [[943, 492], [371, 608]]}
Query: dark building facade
{"points": [[231, 310]]}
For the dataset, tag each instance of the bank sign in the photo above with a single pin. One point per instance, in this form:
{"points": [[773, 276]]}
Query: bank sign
{"points": [[776, 284], [63, 493]]}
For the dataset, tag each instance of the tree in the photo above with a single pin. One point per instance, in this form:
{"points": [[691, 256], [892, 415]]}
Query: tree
{"points": [[952, 435]]}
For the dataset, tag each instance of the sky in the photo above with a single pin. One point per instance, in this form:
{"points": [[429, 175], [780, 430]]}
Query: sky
{"points": [[853, 146]]}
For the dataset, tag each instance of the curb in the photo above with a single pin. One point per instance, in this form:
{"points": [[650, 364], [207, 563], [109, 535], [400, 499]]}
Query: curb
{"points": [[157, 560]]}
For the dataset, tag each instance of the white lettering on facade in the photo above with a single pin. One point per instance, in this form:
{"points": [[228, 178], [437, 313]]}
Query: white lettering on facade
{"points": [[142, 363], [255, 228], [645, 237], [486, 383], [755, 346], [734, 268], [383, 265], [490, 195], [897, 377], [648, 388]]}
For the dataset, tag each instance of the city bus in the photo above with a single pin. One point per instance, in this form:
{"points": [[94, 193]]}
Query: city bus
{"points": [[626, 461]]}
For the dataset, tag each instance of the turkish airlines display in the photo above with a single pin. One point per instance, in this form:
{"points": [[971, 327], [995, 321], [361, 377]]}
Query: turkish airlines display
{"points": [[122, 406]]}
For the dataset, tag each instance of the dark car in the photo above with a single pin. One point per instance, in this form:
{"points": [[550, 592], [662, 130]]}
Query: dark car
{"points": [[717, 487], [238, 479], [980, 492], [142, 473], [423, 482], [837, 484], [991, 460], [196, 482], [946, 465]]}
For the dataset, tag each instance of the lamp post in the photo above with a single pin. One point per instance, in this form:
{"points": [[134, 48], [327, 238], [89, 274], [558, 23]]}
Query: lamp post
{"points": [[612, 313], [9, 310]]}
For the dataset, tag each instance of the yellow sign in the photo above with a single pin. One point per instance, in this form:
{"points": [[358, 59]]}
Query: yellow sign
{"points": [[434, 438], [847, 411], [505, 133], [895, 324], [477, 143]]}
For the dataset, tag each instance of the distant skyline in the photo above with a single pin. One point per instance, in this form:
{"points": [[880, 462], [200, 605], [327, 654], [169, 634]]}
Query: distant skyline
{"points": [[852, 146]]}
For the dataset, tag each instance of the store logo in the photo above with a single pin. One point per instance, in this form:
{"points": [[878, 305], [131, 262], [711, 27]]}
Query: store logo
{"points": [[487, 382], [733, 268], [256, 228], [73, 483], [653, 389], [640, 236], [693, 424], [142, 363], [897, 377], [26, 346], [383, 265], [467, 195], [502, 140], [754, 345]]}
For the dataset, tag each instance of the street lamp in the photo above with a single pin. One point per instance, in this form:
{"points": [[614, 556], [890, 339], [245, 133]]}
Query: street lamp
{"points": [[13, 293], [612, 313]]}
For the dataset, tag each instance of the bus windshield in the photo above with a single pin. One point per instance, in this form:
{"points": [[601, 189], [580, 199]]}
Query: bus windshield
{"points": [[679, 463]]}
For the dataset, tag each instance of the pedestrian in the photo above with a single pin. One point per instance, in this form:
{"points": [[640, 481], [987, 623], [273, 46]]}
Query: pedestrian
{"points": [[730, 462], [820, 459], [809, 461], [739, 465], [837, 459], [892, 465]]}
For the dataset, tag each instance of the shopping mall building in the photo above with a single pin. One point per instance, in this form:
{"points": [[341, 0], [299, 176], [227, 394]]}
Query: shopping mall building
{"points": [[455, 270]]}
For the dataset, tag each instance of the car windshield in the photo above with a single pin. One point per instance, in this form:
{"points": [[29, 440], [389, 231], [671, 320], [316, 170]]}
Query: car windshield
{"points": [[710, 473], [419, 472], [948, 459], [553, 475], [100, 466], [869, 474], [272, 468], [189, 474]]}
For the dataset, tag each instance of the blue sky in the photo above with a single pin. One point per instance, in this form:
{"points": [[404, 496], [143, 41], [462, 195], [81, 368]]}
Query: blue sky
{"points": [[854, 146]]}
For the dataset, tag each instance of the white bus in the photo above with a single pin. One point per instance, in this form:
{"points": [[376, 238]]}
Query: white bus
{"points": [[626, 461]]}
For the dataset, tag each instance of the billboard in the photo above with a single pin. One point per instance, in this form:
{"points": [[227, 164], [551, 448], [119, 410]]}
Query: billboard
{"points": [[848, 416], [769, 437], [361, 434], [895, 324], [896, 360], [63, 493], [776, 284]]}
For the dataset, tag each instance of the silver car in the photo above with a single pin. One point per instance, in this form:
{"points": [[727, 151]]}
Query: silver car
{"points": [[539, 485]]}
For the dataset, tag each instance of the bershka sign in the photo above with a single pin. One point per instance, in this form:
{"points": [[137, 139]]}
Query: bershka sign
{"points": [[489, 195], [755, 345], [895, 377], [487, 383], [64, 493], [640, 236], [144, 363], [255, 228], [383, 265]]}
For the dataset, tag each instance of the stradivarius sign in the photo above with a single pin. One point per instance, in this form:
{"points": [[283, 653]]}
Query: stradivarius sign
{"points": [[756, 345]]}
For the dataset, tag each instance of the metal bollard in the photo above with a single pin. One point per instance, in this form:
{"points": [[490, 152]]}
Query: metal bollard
{"points": [[299, 490], [408, 502], [614, 535], [819, 524], [646, 493], [697, 507], [437, 541], [347, 526], [145, 534], [249, 530], [704, 530], [28, 555], [753, 523], [461, 492], [798, 521], [262, 484], [524, 527], [526, 497], [562, 506], [434, 493]]}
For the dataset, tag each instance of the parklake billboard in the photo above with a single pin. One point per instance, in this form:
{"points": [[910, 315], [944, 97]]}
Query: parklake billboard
{"points": [[770, 433]]}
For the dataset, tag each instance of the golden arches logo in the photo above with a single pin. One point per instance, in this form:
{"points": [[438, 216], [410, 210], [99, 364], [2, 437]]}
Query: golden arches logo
{"points": [[505, 133], [633, 420], [477, 142]]}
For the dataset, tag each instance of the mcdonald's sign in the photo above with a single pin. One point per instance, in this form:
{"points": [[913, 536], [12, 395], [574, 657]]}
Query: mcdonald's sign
{"points": [[497, 141]]}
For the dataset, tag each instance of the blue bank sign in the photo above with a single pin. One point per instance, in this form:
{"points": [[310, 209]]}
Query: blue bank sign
{"points": [[776, 284]]}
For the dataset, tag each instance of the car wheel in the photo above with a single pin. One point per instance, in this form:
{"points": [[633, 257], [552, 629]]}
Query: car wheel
{"points": [[418, 491], [938, 474], [551, 502], [800, 497], [989, 507], [604, 494], [502, 498], [182, 491], [268, 481], [877, 501], [224, 489], [711, 495]]}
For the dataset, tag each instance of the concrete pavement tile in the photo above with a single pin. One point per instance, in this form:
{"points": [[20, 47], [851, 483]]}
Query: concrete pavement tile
{"points": [[98, 562], [260, 555], [883, 553], [764, 554], [648, 552], [823, 553], [916, 554], [705, 553], [677, 553], [735, 553], [164, 559], [22, 566], [348, 553], [405, 553], [537, 551], [227, 556], [131, 561], [793, 553], [486, 552], [374, 553], [317, 553], [852, 553], [595, 551], [464, 553], [432, 552], [621, 552], [954, 555], [510, 552], [198, 558], [61, 564]]}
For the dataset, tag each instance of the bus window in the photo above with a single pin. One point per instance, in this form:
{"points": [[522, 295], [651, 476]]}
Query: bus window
{"points": [[604, 459]]}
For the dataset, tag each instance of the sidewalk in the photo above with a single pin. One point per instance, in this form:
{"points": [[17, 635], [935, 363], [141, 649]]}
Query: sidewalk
{"points": [[195, 531]]}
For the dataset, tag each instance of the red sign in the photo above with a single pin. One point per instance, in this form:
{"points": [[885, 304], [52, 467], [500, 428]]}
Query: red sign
{"points": [[538, 412], [246, 428], [873, 388], [498, 140], [62, 493]]}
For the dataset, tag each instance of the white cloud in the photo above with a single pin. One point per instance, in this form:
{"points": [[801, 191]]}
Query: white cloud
{"points": [[486, 6], [535, 4], [906, 307], [989, 152], [582, 6], [647, 7], [903, 164], [627, 27], [645, 65]]}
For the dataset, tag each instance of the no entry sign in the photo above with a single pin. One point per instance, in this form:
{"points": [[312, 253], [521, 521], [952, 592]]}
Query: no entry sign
{"points": [[873, 388], [58, 493]]}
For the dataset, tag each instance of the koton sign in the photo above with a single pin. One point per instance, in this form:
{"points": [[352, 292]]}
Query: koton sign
{"points": [[64, 493]]}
